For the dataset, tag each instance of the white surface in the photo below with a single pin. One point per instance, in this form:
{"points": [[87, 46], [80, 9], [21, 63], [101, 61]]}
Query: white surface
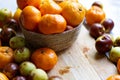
{"points": [[9, 4]]}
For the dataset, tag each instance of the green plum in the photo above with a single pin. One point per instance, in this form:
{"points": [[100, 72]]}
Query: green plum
{"points": [[17, 42], [5, 14], [117, 41], [21, 54], [38, 74], [114, 54], [26, 68]]}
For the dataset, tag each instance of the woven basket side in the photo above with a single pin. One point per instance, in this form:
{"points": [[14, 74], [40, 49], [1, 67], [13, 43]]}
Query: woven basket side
{"points": [[56, 42]]}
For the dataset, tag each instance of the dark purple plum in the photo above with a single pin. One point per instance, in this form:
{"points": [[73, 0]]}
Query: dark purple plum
{"points": [[11, 70], [96, 30], [103, 43], [6, 33], [108, 25], [98, 3], [19, 78], [12, 23]]}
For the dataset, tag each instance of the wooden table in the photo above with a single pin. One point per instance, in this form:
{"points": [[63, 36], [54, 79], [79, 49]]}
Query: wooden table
{"points": [[81, 61]]}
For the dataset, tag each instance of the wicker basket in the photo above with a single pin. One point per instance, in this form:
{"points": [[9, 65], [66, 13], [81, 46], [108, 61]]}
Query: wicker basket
{"points": [[56, 42]]}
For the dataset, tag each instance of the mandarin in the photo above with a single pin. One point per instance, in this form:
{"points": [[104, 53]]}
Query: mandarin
{"points": [[3, 76], [118, 65], [6, 56], [114, 77], [44, 58], [30, 17], [23, 3], [17, 14], [52, 23], [73, 12], [49, 7], [94, 15]]}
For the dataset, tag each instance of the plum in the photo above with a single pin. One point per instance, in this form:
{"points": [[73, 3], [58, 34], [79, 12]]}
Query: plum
{"points": [[26, 68], [19, 78], [38, 74], [103, 43], [17, 42], [114, 54], [6, 34], [96, 30], [117, 41], [11, 70], [68, 27], [98, 3], [21, 54], [5, 15], [12, 23], [108, 24]]}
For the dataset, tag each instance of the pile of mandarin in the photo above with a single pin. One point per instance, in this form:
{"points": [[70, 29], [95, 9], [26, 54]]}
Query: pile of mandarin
{"points": [[49, 16]]}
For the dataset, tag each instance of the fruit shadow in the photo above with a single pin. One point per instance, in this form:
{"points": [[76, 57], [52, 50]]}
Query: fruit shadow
{"points": [[108, 57], [99, 56], [62, 51], [86, 25]]}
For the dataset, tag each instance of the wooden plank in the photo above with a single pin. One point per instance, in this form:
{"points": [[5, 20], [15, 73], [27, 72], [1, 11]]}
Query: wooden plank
{"points": [[100, 63], [79, 66], [79, 69], [83, 61]]}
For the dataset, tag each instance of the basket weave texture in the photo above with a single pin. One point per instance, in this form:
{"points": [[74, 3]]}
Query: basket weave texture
{"points": [[56, 42]]}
